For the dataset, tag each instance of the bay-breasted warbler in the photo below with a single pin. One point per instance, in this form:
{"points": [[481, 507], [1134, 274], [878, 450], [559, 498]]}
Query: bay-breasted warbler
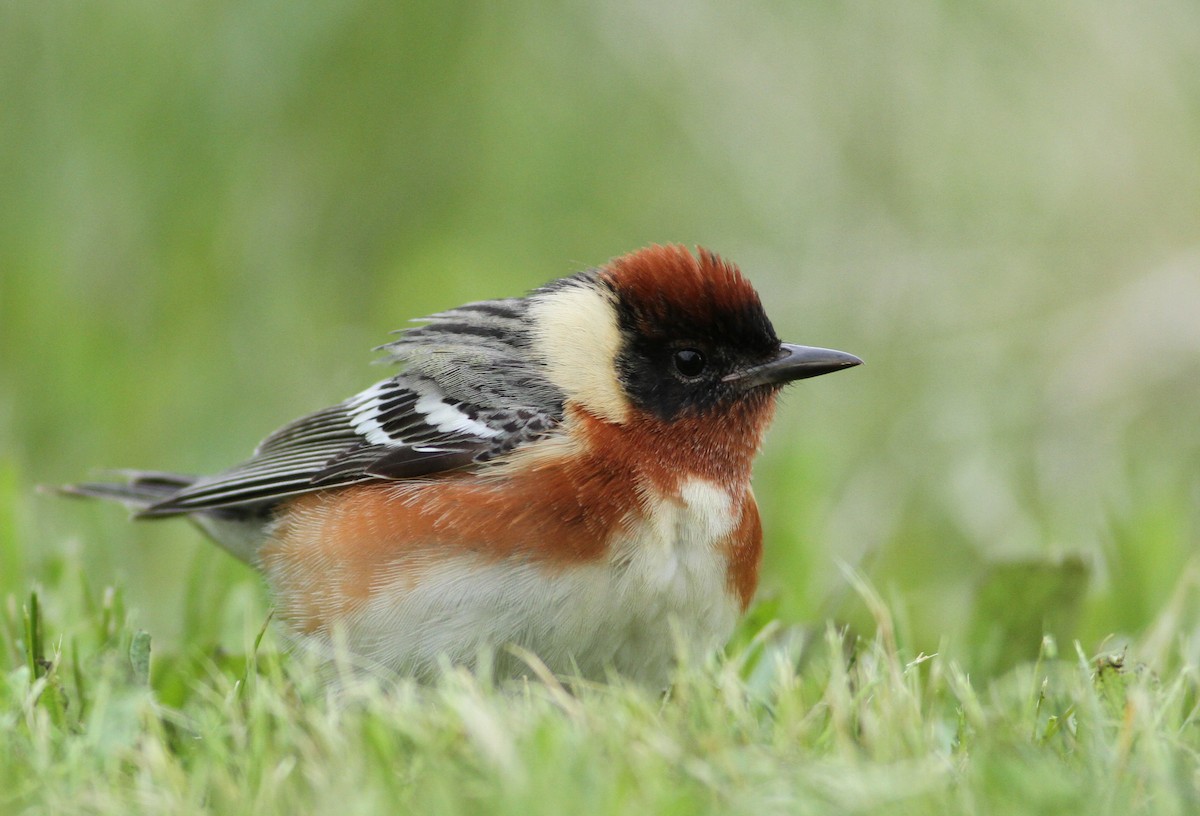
{"points": [[566, 472]]}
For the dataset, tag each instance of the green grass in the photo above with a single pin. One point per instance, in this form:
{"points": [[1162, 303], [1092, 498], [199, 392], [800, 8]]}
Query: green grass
{"points": [[791, 720], [211, 210]]}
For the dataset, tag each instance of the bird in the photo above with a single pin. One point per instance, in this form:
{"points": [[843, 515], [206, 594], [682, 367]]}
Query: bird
{"points": [[562, 476]]}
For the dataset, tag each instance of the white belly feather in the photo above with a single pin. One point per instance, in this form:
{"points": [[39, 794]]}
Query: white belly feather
{"points": [[662, 587]]}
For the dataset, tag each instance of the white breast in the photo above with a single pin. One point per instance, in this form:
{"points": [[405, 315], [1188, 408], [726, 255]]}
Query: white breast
{"points": [[663, 587]]}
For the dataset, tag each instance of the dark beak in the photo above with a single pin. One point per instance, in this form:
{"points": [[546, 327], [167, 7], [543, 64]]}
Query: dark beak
{"points": [[794, 363]]}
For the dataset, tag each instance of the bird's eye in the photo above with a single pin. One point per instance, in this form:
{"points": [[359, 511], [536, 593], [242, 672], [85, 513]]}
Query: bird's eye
{"points": [[689, 362]]}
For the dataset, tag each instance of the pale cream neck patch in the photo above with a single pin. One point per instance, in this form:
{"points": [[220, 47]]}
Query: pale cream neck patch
{"points": [[576, 335]]}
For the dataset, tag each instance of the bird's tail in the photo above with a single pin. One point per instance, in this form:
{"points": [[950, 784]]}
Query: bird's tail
{"points": [[139, 490], [240, 530]]}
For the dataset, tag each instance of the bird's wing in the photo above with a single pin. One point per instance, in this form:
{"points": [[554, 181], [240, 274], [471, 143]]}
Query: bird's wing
{"points": [[469, 393]]}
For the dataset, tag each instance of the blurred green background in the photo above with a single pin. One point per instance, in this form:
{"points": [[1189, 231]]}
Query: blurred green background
{"points": [[211, 211]]}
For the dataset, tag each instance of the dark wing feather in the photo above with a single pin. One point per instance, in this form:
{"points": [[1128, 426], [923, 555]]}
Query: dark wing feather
{"points": [[469, 393]]}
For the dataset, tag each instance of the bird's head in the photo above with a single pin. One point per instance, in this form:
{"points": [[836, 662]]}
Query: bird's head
{"points": [[666, 334]]}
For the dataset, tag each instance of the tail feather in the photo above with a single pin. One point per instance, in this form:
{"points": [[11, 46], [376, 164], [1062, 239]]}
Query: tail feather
{"points": [[140, 490], [240, 530]]}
